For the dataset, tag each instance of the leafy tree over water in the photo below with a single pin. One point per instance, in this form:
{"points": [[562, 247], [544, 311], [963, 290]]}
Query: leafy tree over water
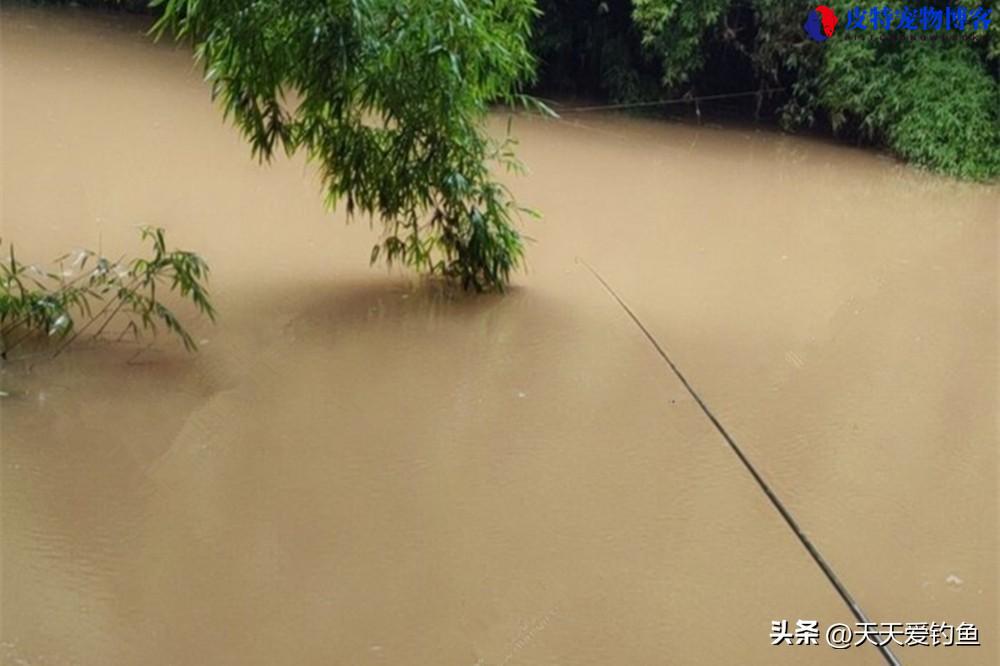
{"points": [[389, 97]]}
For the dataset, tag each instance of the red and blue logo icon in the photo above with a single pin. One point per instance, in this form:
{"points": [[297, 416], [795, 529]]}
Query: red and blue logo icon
{"points": [[820, 23]]}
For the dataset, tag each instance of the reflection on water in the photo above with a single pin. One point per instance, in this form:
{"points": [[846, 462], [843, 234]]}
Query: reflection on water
{"points": [[361, 467]]}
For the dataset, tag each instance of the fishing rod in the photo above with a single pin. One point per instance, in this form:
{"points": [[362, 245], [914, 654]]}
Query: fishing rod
{"points": [[818, 558]]}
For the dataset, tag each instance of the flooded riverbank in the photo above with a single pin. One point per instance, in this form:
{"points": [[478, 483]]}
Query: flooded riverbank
{"points": [[362, 468]]}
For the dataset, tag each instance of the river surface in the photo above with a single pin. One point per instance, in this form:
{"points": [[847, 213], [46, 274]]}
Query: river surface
{"points": [[359, 467]]}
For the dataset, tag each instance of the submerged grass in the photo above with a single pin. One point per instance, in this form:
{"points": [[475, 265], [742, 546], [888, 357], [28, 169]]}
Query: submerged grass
{"points": [[95, 291]]}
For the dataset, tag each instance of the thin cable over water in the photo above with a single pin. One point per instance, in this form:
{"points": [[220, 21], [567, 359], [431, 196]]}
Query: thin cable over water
{"points": [[855, 609], [687, 99]]}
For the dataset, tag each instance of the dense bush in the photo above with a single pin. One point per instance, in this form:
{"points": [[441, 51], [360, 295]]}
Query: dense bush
{"points": [[592, 48], [935, 103]]}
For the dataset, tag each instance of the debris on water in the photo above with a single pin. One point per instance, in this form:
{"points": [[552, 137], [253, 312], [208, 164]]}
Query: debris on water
{"points": [[954, 580]]}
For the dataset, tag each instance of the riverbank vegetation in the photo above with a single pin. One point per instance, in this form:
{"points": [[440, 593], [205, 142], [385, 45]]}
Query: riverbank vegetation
{"points": [[935, 103], [91, 294]]}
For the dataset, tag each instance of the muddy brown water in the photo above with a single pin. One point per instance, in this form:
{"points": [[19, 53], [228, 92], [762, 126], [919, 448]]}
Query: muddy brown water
{"points": [[361, 468]]}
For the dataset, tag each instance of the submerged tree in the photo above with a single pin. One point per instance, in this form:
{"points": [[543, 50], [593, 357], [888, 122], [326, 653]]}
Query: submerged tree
{"points": [[389, 97]]}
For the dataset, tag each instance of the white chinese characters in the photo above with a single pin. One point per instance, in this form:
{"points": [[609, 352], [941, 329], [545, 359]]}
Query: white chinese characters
{"points": [[841, 636]]}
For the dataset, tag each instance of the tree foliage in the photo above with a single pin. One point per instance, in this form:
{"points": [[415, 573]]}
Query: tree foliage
{"points": [[592, 48], [675, 30], [389, 98], [935, 103]]}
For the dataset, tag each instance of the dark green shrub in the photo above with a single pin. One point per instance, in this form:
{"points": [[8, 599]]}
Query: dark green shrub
{"points": [[592, 48], [934, 103], [676, 31]]}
